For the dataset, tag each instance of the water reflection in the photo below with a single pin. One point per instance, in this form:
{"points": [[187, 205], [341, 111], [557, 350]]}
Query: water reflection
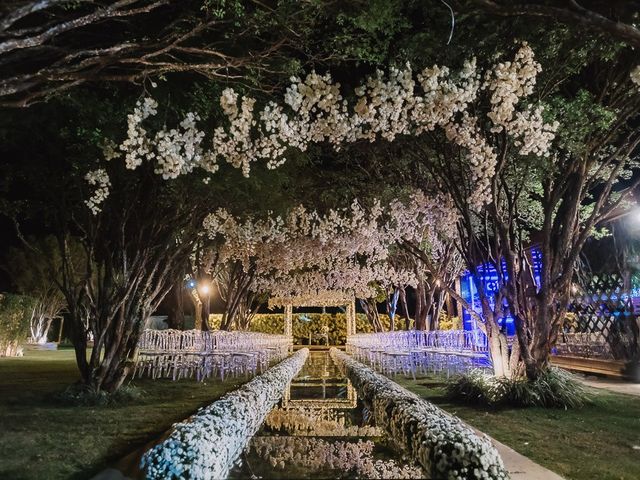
{"points": [[320, 430], [320, 385]]}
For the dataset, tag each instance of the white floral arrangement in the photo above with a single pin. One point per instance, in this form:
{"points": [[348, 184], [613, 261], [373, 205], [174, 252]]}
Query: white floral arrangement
{"points": [[441, 443], [208, 444]]}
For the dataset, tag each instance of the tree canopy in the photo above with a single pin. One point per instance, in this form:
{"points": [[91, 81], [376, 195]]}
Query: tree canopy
{"points": [[525, 129]]}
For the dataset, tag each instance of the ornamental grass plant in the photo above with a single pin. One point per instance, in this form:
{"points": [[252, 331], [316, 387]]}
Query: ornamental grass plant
{"points": [[82, 395], [555, 388]]}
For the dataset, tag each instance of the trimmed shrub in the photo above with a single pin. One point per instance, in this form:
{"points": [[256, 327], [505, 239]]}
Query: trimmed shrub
{"points": [[555, 388], [447, 322]]}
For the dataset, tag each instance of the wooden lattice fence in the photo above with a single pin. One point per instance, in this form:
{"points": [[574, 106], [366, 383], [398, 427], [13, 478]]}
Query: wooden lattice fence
{"points": [[603, 322]]}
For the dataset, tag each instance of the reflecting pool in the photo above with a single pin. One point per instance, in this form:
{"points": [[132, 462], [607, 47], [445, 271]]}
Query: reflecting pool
{"points": [[320, 430]]}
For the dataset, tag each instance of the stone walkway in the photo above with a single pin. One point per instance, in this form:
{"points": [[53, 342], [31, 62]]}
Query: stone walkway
{"points": [[519, 466], [613, 385]]}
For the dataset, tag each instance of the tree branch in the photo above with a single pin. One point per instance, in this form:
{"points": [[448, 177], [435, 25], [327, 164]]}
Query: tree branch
{"points": [[574, 14]]}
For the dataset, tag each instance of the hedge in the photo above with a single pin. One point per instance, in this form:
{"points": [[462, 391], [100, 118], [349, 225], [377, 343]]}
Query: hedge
{"points": [[337, 323]]}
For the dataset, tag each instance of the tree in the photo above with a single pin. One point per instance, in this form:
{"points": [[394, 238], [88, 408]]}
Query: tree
{"points": [[34, 269], [611, 18], [555, 200], [426, 232], [302, 254], [469, 127], [176, 318], [137, 245], [49, 46], [135, 229], [133, 246], [52, 47], [496, 164], [356, 252], [15, 317]]}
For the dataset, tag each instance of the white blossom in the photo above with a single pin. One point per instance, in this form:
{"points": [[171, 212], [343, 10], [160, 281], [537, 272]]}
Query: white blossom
{"points": [[328, 259], [313, 110], [99, 180], [342, 456]]}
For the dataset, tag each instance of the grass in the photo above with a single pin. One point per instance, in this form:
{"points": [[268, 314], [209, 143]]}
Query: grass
{"points": [[43, 439], [598, 441]]}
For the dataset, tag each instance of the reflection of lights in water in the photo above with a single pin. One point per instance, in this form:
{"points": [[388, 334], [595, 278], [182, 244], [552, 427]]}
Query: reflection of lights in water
{"points": [[320, 384], [325, 369], [330, 437]]}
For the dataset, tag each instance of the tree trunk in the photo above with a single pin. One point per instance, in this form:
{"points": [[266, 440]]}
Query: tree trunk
{"points": [[392, 307], [429, 311], [405, 308], [40, 329], [498, 349], [197, 310], [422, 310], [370, 308], [437, 309], [176, 316], [206, 306]]}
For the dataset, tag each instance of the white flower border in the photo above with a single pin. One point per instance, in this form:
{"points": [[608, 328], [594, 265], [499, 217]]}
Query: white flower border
{"points": [[207, 445], [441, 443]]}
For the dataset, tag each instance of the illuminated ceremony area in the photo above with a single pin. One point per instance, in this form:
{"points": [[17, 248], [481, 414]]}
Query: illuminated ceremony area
{"points": [[318, 239]]}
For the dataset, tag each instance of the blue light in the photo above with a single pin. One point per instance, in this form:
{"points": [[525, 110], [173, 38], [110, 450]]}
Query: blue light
{"points": [[488, 278]]}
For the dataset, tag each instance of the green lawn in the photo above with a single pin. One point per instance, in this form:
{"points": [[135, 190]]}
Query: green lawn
{"points": [[41, 439], [600, 441]]}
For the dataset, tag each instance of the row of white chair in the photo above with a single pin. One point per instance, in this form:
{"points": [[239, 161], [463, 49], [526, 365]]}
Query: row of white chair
{"points": [[198, 340], [417, 352], [196, 354]]}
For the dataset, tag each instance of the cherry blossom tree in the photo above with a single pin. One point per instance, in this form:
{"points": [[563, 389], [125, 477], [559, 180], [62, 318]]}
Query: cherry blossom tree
{"points": [[302, 254], [550, 194], [489, 148], [386, 107], [426, 230], [351, 252]]}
